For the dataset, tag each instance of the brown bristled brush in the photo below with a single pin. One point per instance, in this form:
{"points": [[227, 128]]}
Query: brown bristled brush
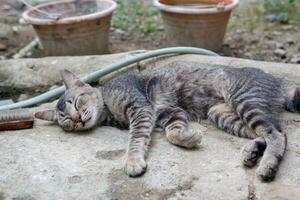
{"points": [[15, 119]]}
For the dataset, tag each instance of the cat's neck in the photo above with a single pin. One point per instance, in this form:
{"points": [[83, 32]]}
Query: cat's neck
{"points": [[105, 113]]}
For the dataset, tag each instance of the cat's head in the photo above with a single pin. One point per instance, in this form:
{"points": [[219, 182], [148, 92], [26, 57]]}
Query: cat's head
{"points": [[79, 108]]}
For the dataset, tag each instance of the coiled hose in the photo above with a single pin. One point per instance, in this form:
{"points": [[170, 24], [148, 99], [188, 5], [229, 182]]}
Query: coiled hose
{"points": [[106, 70]]}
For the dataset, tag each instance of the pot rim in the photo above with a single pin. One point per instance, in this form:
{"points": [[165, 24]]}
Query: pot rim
{"points": [[183, 10], [69, 20]]}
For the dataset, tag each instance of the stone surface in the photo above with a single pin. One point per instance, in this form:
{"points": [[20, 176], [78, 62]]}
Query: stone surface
{"points": [[47, 163], [41, 74], [281, 192]]}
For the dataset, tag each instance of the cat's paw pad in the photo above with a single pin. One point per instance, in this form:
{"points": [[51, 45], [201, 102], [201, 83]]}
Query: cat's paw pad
{"points": [[188, 139], [267, 170], [135, 166], [250, 155]]}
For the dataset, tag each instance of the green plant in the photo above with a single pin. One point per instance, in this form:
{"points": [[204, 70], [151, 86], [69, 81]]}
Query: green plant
{"points": [[148, 27], [281, 8], [136, 16]]}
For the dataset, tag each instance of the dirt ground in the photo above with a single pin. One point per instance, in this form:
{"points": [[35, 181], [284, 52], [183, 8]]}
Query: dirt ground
{"points": [[252, 33]]}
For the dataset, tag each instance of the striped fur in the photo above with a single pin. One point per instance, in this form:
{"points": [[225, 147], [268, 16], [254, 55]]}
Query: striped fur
{"points": [[242, 102], [225, 118]]}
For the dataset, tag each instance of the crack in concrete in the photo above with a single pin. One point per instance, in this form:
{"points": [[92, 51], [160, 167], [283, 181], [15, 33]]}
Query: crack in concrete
{"points": [[251, 192]]}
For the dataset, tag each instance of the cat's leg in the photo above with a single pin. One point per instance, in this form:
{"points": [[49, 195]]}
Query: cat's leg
{"points": [[142, 120], [174, 121], [255, 112], [226, 119]]}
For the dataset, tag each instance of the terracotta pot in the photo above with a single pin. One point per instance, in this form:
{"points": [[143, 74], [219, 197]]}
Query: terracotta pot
{"points": [[198, 23], [72, 27]]}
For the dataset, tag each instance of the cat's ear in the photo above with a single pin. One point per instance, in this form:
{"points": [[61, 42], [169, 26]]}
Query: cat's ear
{"points": [[70, 79], [48, 115]]}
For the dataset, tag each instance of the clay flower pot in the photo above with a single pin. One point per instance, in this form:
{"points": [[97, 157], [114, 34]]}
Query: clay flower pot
{"points": [[72, 27], [198, 23]]}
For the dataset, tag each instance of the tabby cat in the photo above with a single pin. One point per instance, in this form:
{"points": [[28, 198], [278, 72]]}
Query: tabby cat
{"points": [[242, 102]]}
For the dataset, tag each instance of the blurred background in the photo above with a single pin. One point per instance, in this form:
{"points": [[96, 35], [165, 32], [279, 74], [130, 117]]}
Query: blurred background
{"points": [[267, 30]]}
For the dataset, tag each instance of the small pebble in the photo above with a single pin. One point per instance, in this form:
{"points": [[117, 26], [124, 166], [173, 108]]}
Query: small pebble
{"points": [[120, 31], [290, 41], [280, 45], [280, 53], [295, 60], [3, 47], [15, 29]]}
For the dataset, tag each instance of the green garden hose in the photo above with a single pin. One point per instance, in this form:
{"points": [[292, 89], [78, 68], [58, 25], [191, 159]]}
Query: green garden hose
{"points": [[102, 72]]}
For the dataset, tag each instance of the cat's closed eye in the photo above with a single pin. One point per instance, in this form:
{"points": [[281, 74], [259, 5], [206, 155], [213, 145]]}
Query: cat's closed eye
{"points": [[80, 101]]}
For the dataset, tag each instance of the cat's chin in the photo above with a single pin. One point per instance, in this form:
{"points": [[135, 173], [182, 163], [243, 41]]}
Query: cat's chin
{"points": [[88, 125], [84, 127]]}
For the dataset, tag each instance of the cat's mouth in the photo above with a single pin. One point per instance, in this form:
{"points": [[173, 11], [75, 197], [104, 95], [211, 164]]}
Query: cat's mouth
{"points": [[86, 121], [83, 122], [86, 116]]}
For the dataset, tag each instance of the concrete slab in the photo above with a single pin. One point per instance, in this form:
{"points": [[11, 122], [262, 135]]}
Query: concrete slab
{"points": [[47, 163]]}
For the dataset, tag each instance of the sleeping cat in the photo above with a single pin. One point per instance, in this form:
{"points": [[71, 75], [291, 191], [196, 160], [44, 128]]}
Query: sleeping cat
{"points": [[241, 102]]}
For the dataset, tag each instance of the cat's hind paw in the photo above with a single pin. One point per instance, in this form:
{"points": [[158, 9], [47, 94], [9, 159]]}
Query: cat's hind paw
{"points": [[135, 166], [188, 139], [267, 169]]}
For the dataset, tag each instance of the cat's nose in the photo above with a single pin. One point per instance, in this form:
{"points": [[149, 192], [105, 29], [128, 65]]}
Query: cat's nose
{"points": [[76, 118]]}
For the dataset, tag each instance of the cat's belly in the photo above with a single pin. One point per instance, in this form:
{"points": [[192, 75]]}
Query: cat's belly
{"points": [[197, 105], [197, 110]]}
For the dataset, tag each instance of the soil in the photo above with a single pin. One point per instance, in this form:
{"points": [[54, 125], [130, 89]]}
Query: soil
{"points": [[252, 33]]}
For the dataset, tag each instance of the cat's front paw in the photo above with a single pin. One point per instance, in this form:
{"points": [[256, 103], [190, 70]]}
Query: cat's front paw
{"points": [[252, 151], [250, 154], [135, 165], [188, 139]]}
